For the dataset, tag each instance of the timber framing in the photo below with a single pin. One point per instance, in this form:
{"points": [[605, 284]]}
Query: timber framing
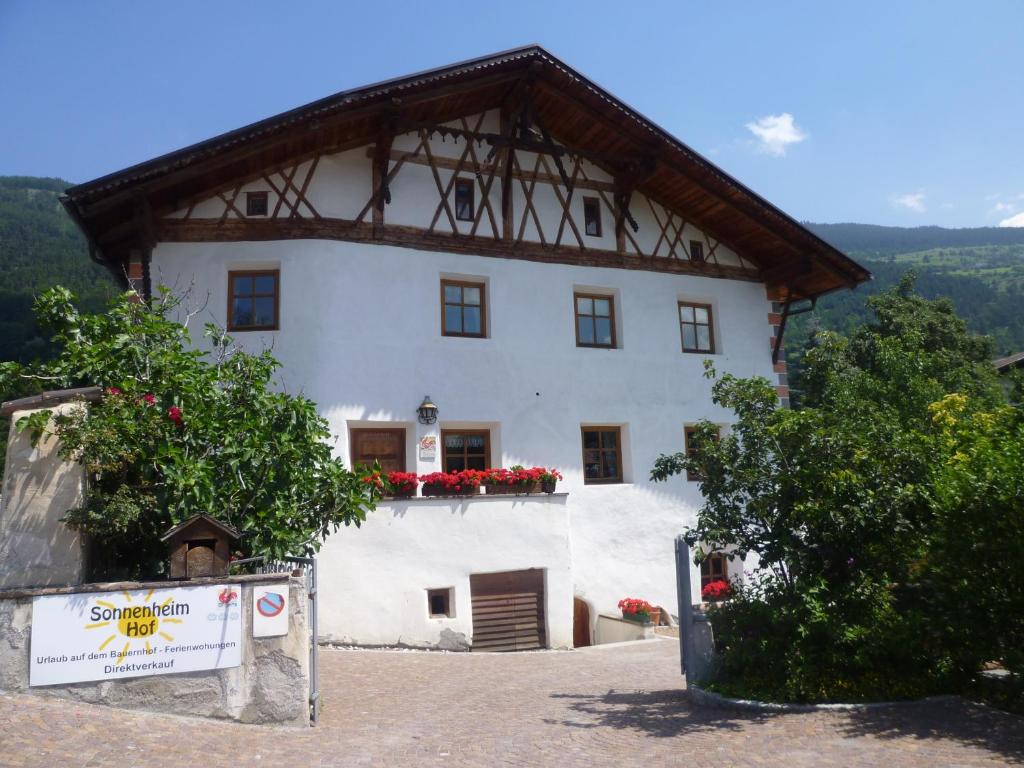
{"points": [[548, 110]]}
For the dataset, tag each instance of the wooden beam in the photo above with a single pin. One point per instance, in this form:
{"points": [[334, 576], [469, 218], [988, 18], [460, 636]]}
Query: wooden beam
{"points": [[209, 230]]}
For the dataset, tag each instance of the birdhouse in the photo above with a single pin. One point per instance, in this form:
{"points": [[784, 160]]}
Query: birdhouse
{"points": [[200, 546]]}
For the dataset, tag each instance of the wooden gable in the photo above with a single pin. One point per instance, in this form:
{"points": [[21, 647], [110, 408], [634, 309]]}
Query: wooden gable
{"points": [[553, 130]]}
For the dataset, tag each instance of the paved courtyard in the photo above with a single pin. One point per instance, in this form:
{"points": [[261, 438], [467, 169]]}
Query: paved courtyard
{"points": [[621, 706]]}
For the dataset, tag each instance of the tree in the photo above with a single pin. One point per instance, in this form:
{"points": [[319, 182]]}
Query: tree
{"points": [[844, 500], [180, 431]]}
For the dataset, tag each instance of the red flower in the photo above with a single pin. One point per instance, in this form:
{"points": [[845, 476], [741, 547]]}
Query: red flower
{"points": [[716, 590], [634, 605], [174, 414], [149, 398], [112, 391]]}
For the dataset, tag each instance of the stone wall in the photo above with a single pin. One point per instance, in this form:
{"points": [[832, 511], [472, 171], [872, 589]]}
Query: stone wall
{"points": [[270, 686], [36, 548]]}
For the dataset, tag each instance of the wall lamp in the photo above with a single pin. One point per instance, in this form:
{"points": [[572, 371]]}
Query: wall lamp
{"points": [[427, 411]]}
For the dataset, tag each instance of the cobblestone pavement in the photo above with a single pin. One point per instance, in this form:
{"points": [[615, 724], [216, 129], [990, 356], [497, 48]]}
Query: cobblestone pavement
{"points": [[621, 706]]}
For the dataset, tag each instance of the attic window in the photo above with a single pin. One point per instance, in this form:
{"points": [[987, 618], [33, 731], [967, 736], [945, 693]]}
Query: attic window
{"points": [[439, 603], [464, 199], [592, 216], [697, 251], [255, 203]]}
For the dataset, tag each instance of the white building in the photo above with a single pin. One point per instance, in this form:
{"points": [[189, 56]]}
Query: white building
{"points": [[546, 264]]}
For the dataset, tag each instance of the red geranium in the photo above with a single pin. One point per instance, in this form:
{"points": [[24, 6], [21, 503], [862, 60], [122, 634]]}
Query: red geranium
{"points": [[718, 589], [403, 482], [634, 606], [174, 414], [113, 391], [149, 398]]}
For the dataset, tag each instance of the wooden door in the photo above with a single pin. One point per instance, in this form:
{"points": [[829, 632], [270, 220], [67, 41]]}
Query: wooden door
{"points": [[580, 623], [508, 610], [385, 446]]}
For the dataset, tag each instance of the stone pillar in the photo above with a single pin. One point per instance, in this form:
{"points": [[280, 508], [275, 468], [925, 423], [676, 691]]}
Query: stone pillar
{"points": [[39, 487]]}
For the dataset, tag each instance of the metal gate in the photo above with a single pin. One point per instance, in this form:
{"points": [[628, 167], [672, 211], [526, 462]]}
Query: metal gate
{"points": [[262, 565]]}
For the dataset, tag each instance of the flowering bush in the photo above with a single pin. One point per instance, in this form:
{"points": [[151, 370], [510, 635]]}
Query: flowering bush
{"points": [[463, 481], [719, 589], [404, 483], [180, 431], [633, 606]]}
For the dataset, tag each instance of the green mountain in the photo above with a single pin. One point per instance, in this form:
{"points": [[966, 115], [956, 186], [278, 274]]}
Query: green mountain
{"points": [[39, 248], [980, 269]]}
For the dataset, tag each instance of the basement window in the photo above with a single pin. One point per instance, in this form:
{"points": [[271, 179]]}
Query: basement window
{"points": [[439, 603], [255, 203], [464, 199], [592, 216]]}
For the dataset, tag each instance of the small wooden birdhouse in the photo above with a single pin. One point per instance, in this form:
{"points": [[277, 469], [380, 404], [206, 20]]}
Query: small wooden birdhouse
{"points": [[200, 546]]}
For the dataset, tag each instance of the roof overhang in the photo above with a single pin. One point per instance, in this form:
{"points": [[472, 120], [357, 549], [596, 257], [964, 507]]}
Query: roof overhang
{"points": [[116, 212]]}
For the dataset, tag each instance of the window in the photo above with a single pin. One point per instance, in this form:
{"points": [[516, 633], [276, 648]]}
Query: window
{"points": [[595, 321], [439, 603], [464, 199], [714, 567], [385, 446], [464, 309], [592, 216], [465, 449], [696, 251], [696, 327], [691, 449], [255, 203], [253, 300], [602, 455]]}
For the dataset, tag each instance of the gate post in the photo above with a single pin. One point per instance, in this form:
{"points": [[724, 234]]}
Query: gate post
{"points": [[685, 602]]}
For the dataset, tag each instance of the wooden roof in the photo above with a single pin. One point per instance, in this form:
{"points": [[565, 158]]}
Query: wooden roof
{"points": [[117, 211], [186, 524]]}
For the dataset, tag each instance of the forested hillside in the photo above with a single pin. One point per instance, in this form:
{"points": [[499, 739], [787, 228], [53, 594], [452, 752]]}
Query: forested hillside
{"points": [[39, 247]]}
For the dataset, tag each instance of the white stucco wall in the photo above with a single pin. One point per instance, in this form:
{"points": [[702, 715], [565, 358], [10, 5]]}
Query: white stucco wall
{"points": [[360, 334], [374, 579]]}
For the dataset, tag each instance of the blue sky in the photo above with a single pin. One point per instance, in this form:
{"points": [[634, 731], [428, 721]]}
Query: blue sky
{"points": [[906, 113]]}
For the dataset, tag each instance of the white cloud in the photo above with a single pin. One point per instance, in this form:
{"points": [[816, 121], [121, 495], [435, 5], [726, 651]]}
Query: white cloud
{"points": [[1004, 208], [1013, 221], [775, 133], [914, 202]]}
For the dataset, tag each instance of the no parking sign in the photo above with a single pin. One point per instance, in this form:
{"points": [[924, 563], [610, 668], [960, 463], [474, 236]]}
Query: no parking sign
{"points": [[270, 610]]}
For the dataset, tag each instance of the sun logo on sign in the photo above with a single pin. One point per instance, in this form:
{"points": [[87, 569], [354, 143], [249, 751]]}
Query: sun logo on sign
{"points": [[136, 622]]}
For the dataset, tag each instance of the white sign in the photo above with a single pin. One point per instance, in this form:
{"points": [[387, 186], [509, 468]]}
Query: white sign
{"points": [[428, 447], [109, 635], [270, 610]]}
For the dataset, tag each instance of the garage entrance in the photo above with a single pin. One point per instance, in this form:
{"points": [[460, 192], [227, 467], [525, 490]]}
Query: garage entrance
{"points": [[508, 610]]}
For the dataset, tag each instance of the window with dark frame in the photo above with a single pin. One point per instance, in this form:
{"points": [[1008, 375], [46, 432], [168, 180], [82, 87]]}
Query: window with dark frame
{"points": [[256, 203], [595, 320], [689, 436], [463, 309], [464, 199], [253, 299], [696, 251], [465, 449], [386, 446], [439, 603], [602, 455], [696, 327], [592, 216], [713, 567]]}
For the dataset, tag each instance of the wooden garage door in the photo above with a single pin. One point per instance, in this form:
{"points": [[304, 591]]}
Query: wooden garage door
{"points": [[508, 610]]}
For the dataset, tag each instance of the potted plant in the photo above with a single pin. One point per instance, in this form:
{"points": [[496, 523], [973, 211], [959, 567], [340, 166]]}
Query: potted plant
{"points": [[640, 611], [465, 482], [549, 479], [525, 480], [716, 591], [402, 485]]}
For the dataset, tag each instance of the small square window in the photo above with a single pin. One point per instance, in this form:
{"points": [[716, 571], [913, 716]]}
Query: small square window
{"points": [[696, 251], [592, 216], [464, 199], [696, 327], [691, 450], [602, 455], [439, 603], [714, 567], [256, 203], [595, 320], [463, 309], [253, 300], [465, 449]]}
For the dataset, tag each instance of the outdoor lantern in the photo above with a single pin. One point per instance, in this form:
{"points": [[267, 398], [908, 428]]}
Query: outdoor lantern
{"points": [[427, 411]]}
